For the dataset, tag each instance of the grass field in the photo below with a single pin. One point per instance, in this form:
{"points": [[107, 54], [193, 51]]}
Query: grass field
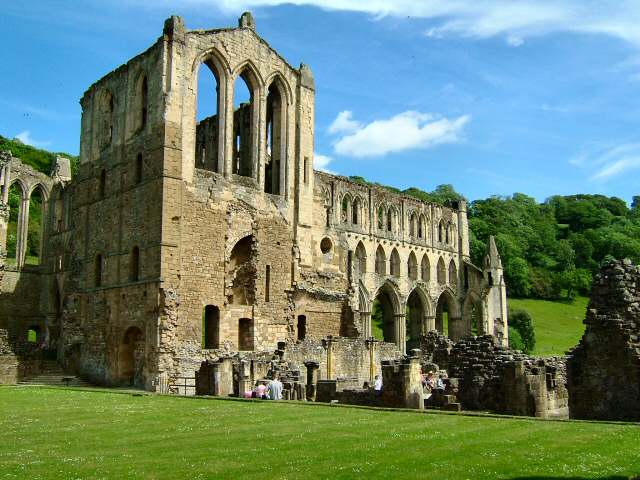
{"points": [[558, 325], [58, 433]]}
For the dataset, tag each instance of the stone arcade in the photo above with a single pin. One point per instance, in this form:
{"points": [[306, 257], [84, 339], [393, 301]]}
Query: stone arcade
{"points": [[181, 241]]}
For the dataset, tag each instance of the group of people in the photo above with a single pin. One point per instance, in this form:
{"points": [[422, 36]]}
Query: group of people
{"points": [[431, 383], [267, 391]]}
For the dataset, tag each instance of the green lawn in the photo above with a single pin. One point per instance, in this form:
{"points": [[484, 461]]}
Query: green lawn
{"points": [[558, 325], [57, 433]]}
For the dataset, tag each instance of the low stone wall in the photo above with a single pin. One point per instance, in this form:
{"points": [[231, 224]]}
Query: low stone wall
{"points": [[496, 378], [603, 370], [8, 361]]}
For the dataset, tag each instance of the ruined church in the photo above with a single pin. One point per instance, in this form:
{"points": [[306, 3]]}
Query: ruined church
{"points": [[180, 241]]}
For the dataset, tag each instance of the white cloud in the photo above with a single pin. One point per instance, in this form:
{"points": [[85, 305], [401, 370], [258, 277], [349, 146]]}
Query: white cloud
{"points": [[514, 21], [321, 162], [617, 167], [607, 163], [25, 137], [344, 123], [405, 131]]}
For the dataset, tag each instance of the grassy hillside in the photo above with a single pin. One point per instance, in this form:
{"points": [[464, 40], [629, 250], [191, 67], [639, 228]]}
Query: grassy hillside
{"points": [[558, 325], [108, 435], [41, 160]]}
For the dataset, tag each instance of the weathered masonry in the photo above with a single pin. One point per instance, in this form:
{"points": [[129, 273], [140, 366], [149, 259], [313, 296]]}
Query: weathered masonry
{"points": [[187, 236]]}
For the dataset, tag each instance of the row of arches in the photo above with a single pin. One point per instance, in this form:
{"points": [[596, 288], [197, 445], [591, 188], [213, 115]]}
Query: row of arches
{"points": [[444, 274], [257, 116], [388, 219], [390, 319], [27, 216]]}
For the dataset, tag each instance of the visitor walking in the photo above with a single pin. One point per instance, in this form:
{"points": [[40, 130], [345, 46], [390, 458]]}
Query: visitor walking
{"points": [[275, 388]]}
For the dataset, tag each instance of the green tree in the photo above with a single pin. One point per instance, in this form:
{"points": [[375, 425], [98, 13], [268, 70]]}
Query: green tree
{"points": [[515, 340], [521, 321]]}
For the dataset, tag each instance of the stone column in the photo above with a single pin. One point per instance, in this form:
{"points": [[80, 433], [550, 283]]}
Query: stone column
{"points": [[23, 231], [327, 343], [400, 332], [428, 324], [365, 321], [456, 328], [371, 346], [312, 380]]}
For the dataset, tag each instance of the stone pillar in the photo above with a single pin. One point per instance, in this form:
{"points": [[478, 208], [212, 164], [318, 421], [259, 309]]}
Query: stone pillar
{"points": [[23, 231], [456, 328], [327, 343], [428, 324], [371, 346], [400, 332], [312, 380], [365, 321]]}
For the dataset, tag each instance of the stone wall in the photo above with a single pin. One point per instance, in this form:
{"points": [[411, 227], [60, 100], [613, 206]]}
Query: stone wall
{"points": [[8, 361], [496, 378], [603, 370]]}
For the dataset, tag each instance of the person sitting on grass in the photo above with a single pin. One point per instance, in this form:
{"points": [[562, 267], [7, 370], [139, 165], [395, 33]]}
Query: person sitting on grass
{"points": [[261, 391], [275, 388]]}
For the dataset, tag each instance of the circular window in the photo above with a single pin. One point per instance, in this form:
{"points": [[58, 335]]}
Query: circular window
{"points": [[325, 245]]}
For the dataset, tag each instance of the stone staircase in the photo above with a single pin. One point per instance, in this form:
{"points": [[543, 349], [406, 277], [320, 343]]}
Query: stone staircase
{"points": [[52, 374]]}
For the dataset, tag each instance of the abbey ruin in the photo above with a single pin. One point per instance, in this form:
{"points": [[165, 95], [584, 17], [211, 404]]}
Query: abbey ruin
{"points": [[181, 241]]}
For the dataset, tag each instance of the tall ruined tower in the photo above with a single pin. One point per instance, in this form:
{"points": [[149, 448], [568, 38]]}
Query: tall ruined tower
{"points": [[497, 314], [189, 230]]}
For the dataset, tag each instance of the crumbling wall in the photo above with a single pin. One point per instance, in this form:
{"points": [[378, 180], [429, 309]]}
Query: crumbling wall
{"points": [[603, 370], [496, 378], [8, 361]]}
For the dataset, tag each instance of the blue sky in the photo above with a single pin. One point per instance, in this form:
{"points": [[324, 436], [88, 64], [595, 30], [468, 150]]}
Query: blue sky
{"points": [[491, 96]]}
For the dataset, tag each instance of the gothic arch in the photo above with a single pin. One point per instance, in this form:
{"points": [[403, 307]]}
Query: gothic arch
{"points": [[245, 143], [345, 208], [249, 66], [277, 111], [210, 154], [394, 263], [394, 295], [412, 266], [214, 57], [447, 312], [442, 272], [422, 227], [381, 261], [425, 268], [361, 258], [453, 273], [473, 314], [284, 85]]}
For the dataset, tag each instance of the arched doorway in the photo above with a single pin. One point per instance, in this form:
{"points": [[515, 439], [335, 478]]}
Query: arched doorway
{"points": [[446, 312], [473, 315], [242, 273], [383, 316], [415, 313], [132, 358]]}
